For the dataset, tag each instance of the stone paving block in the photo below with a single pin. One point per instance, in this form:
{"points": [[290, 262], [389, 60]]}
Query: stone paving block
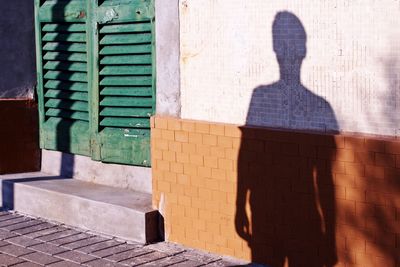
{"points": [[64, 264], [15, 250], [23, 241], [221, 263], [3, 213], [58, 235], [99, 246], [9, 217], [13, 221], [40, 258], [6, 260], [3, 243], [164, 262], [104, 263], [70, 239], [85, 242], [22, 225], [75, 256], [47, 231], [48, 248], [188, 263], [146, 258], [5, 234], [128, 254], [199, 256], [168, 248], [113, 250], [35, 228], [27, 264]]}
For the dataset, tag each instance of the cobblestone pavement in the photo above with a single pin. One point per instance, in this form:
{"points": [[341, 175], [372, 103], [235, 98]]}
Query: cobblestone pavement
{"points": [[30, 242]]}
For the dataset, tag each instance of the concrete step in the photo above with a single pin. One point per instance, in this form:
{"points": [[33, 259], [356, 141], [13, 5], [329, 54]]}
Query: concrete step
{"points": [[113, 211], [85, 169]]}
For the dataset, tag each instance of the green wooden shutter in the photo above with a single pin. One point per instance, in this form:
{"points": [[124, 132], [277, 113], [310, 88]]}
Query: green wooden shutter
{"points": [[62, 75], [96, 77], [124, 37]]}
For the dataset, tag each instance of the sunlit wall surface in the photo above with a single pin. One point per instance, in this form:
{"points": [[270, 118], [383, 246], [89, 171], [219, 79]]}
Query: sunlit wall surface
{"points": [[352, 59]]}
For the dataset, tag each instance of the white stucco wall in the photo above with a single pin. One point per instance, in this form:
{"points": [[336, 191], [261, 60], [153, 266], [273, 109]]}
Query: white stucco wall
{"points": [[167, 57], [352, 61]]}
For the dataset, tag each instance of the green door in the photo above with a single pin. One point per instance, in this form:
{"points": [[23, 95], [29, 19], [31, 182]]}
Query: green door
{"points": [[96, 83]]}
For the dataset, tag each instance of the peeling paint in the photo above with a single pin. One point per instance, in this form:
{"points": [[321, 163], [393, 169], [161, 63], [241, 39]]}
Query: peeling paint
{"points": [[80, 14], [131, 135], [110, 15]]}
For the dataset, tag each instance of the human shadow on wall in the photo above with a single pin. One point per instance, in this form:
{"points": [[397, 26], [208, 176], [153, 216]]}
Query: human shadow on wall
{"points": [[288, 191]]}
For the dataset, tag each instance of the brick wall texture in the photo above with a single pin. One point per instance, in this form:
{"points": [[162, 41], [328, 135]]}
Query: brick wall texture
{"points": [[278, 197], [350, 58], [19, 138]]}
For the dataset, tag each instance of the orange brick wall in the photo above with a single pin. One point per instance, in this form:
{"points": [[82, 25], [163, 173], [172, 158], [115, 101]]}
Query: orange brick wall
{"points": [[19, 140], [309, 199]]}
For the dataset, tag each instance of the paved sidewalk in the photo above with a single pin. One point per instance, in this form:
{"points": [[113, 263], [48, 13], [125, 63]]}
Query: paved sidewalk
{"points": [[30, 242]]}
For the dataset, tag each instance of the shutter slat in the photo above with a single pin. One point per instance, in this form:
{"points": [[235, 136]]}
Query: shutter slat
{"points": [[70, 86], [126, 122], [125, 49], [109, 131], [110, 101], [70, 27], [127, 91], [126, 112], [66, 95], [126, 28], [79, 57], [75, 115], [70, 37], [126, 70], [74, 47], [126, 39], [121, 2], [128, 59], [66, 76], [126, 81], [58, 65], [65, 104]]}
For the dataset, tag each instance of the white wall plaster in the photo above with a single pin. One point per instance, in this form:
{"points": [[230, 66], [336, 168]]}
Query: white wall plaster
{"points": [[167, 57]]}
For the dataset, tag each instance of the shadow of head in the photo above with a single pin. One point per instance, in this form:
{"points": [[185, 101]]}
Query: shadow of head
{"points": [[289, 39]]}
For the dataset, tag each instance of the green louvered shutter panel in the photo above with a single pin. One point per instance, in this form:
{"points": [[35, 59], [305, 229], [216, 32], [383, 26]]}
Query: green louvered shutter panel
{"points": [[123, 37], [96, 77], [63, 75]]}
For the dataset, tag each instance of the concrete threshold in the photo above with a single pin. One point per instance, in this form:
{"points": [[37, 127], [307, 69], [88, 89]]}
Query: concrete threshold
{"points": [[112, 211]]}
